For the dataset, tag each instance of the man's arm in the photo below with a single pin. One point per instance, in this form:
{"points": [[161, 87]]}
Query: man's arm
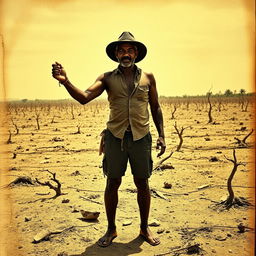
{"points": [[156, 113], [82, 97]]}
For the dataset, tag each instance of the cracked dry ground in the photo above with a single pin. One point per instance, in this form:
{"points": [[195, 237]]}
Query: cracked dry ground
{"points": [[183, 214]]}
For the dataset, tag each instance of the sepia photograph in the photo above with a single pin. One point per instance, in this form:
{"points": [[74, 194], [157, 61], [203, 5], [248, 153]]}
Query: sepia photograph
{"points": [[127, 128]]}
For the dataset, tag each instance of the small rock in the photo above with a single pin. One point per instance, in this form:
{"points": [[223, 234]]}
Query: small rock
{"points": [[44, 162], [42, 235], [230, 251], [127, 223], [194, 249], [27, 219], [241, 228], [65, 201], [87, 215], [62, 254], [76, 173], [166, 166], [56, 139], [220, 238], [213, 159], [154, 223], [167, 185], [75, 210], [160, 231]]}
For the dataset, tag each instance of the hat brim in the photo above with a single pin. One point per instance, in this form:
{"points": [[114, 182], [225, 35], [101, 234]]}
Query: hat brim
{"points": [[111, 48]]}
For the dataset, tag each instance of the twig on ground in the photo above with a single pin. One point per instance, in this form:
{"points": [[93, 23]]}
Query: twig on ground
{"points": [[90, 200]]}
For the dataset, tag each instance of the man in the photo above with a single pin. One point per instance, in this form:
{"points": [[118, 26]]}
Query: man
{"points": [[127, 136]]}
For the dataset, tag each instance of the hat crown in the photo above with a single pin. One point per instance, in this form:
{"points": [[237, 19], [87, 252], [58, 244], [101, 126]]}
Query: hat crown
{"points": [[126, 36]]}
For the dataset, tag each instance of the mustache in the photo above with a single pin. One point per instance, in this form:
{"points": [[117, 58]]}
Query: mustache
{"points": [[126, 58]]}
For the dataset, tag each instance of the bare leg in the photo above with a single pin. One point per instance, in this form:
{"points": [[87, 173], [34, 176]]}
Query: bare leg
{"points": [[143, 198], [111, 200]]}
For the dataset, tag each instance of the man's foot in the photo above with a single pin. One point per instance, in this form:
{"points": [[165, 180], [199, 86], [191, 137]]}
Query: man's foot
{"points": [[107, 239], [148, 237]]}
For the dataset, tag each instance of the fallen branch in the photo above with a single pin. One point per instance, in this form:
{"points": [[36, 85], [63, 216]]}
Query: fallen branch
{"points": [[158, 165], [90, 200], [57, 189], [159, 194], [45, 234], [191, 249], [242, 143]]}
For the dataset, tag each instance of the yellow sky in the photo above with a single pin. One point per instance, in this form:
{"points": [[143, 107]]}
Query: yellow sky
{"points": [[193, 45]]}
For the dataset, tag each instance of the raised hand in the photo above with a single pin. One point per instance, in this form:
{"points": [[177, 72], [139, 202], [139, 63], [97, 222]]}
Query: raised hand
{"points": [[58, 72]]}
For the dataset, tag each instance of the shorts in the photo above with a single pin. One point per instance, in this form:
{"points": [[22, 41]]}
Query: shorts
{"points": [[118, 152]]}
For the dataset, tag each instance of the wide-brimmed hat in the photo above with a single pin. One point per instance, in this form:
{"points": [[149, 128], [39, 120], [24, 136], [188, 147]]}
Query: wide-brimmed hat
{"points": [[126, 37]]}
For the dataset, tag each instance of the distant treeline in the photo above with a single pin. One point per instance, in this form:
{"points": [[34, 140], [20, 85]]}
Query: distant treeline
{"points": [[227, 93]]}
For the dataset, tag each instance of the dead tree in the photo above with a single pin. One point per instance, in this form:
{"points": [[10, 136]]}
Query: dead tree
{"points": [[72, 111], [78, 129], [53, 119], [231, 199], [219, 104], [173, 112], [9, 141], [37, 120], [210, 108], [242, 143], [57, 189], [16, 127], [245, 106], [180, 133], [187, 104]]}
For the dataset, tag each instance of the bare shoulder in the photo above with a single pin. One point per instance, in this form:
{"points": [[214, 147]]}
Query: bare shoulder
{"points": [[102, 79], [150, 77]]}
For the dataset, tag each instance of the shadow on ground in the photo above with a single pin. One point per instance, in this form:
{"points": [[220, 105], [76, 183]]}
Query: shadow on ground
{"points": [[115, 249]]}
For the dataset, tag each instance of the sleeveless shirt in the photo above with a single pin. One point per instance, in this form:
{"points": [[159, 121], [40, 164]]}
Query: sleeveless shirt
{"points": [[128, 109]]}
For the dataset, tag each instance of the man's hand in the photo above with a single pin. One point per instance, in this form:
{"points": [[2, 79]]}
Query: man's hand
{"points": [[58, 72], [160, 144]]}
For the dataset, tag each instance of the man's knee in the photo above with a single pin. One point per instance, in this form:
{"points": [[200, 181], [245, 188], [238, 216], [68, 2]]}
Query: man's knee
{"points": [[141, 184], [113, 183]]}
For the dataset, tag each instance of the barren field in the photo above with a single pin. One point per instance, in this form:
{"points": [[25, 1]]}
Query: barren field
{"points": [[62, 138]]}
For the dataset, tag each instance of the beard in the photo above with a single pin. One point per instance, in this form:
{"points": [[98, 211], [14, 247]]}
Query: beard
{"points": [[126, 62]]}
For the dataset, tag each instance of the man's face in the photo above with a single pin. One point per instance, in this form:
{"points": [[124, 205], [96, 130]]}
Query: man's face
{"points": [[126, 54]]}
